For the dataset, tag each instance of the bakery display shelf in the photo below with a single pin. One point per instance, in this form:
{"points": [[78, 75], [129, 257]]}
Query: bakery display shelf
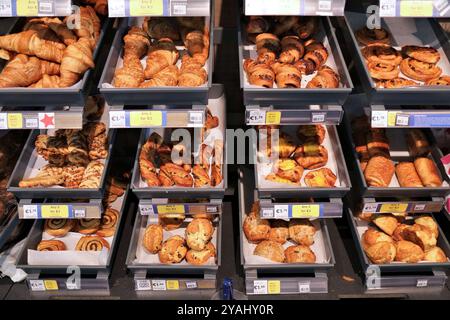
{"points": [[395, 117], [400, 275], [163, 206], [165, 8], [158, 116], [68, 276], [419, 9], [407, 31], [410, 206], [280, 278], [34, 209], [17, 8], [268, 189], [255, 95], [30, 161], [295, 7], [71, 96], [292, 115], [150, 274], [41, 117], [154, 95]]}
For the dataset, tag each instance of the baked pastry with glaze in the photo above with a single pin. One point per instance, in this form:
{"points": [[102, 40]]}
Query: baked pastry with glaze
{"points": [[381, 252], [108, 223], [91, 243], [260, 74], [379, 171], [424, 54], [382, 70], [368, 36], [311, 156], [381, 53], [422, 236], [270, 250], [407, 175], [286, 75], [301, 231], [51, 245], [279, 231], [88, 226], [386, 223], [198, 233], [58, 227], [311, 133], [419, 70], [316, 53], [321, 178], [287, 170], [292, 49], [173, 250], [255, 228], [428, 222], [299, 254], [408, 252], [435, 254], [153, 238], [201, 257], [325, 78]]}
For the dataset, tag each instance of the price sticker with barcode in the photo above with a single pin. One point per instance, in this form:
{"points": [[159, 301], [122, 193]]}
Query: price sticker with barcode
{"points": [[3, 121], [267, 213], [79, 213], [142, 285], [421, 283], [304, 287], [402, 120], [179, 9], [37, 285], [46, 7], [191, 285], [318, 117], [419, 207], [195, 118]]}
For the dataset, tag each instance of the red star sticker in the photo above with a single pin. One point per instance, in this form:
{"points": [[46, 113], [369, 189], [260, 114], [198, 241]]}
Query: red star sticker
{"points": [[47, 121]]}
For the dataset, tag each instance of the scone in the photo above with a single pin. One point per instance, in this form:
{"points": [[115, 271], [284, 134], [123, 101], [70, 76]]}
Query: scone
{"points": [[299, 254], [201, 257], [387, 223], [270, 250], [372, 236], [381, 252], [408, 252], [173, 250], [301, 231], [153, 238], [422, 236], [255, 228], [279, 231], [398, 232], [198, 233], [428, 222], [171, 221], [435, 254]]}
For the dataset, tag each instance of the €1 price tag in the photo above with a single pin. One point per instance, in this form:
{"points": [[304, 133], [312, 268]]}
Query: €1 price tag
{"points": [[27, 8], [49, 211], [51, 285], [273, 117], [379, 119], [273, 286], [170, 208], [305, 211], [146, 8], [146, 118], [393, 207], [172, 285], [15, 121], [418, 8]]}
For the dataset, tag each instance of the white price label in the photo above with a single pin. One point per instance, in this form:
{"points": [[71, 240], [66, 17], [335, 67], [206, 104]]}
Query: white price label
{"points": [[370, 208], [419, 207], [79, 213], [116, 8], [146, 210], [117, 119], [30, 211], [256, 117], [37, 285], [379, 119], [45, 7], [422, 283], [281, 211], [195, 118], [5, 8], [159, 285], [267, 213], [324, 5], [31, 123], [179, 9], [318, 117], [142, 285], [402, 120], [388, 8], [260, 287], [191, 285], [211, 209], [3, 121], [304, 287]]}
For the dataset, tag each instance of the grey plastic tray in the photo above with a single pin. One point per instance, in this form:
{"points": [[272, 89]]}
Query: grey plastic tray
{"points": [[437, 95], [157, 95], [300, 96], [27, 97], [27, 159]]}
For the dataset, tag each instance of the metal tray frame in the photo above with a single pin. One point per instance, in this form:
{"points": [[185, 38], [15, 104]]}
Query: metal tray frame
{"points": [[26, 97], [337, 192], [403, 96], [157, 95], [29, 155], [300, 96]]}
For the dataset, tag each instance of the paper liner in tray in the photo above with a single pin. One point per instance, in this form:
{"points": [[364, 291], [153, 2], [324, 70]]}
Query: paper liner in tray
{"points": [[144, 257], [319, 249], [263, 169]]}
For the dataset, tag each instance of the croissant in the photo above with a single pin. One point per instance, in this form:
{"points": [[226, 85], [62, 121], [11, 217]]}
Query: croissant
{"points": [[305, 27], [21, 71], [77, 58], [161, 55], [166, 77], [159, 28], [315, 52], [193, 41], [286, 75], [325, 78], [47, 81], [259, 74], [136, 43], [284, 24], [29, 43], [193, 48], [131, 75], [267, 42], [62, 31], [49, 68], [192, 74], [292, 49]]}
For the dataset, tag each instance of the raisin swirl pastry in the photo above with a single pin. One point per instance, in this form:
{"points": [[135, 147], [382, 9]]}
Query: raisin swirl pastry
{"points": [[51, 245], [292, 49], [383, 71], [91, 243], [441, 81], [381, 53], [424, 54], [396, 83], [58, 227], [315, 52], [368, 36], [286, 75], [325, 78], [259, 74], [419, 70]]}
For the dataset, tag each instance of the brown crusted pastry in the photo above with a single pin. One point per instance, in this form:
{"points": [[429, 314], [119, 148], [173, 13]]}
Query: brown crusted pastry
{"points": [[76, 60], [379, 171], [386, 222], [302, 231], [175, 173], [418, 145], [286, 169], [424, 54], [108, 223], [418, 70], [270, 250], [257, 24], [201, 257], [58, 227], [164, 78], [286, 75], [408, 252], [136, 43], [267, 42], [153, 238], [316, 53], [51, 245], [325, 78], [311, 156], [173, 250], [292, 49], [131, 75], [21, 71], [88, 226], [396, 83], [428, 222], [147, 156], [422, 236], [73, 175], [161, 55], [368, 36], [283, 149], [91, 243], [372, 236], [201, 177], [441, 81], [46, 82], [407, 175], [398, 232], [435, 254], [305, 27], [299, 254], [381, 252], [279, 231], [377, 143], [305, 66], [260, 74], [78, 148], [311, 133], [48, 176], [192, 73], [428, 172], [198, 233], [382, 70], [92, 175], [255, 228], [171, 221], [194, 41], [381, 53], [322, 178], [158, 28], [284, 24]]}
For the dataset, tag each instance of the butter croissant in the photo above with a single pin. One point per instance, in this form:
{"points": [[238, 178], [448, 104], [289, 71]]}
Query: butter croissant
{"points": [[21, 71], [161, 55]]}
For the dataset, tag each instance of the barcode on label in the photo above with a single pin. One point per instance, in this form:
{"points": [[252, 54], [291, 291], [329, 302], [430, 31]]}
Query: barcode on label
{"points": [[402, 120], [3, 121], [422, 283], [79, 213], [45, 7], [304, 287], [191, 284], [37, 285], [318, 117], [267, 213], [195, 117], [31, 123], [5, 8], [211, 209], [142, 285], [179, 9], [419, 207], [370, 207]]}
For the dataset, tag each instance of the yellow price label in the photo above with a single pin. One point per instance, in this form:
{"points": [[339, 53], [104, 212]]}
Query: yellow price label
{"points": [[394, 208], [392, 118], [170, 208], [146, 118], [15, 121], [54, 211], [146, 7], [27, 8], [273, 287], [418, 8], [305, 211], [172, 285], [273, 117], [50, 285]]}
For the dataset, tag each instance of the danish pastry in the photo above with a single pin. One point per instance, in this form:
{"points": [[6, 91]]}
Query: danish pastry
{"points": [[424, 54], [422, 236], [153, 238], [428, 222], [58, 227], [51, 245], [408, 252], [379, 171], [381, 252], [441, 81], [287, 169], [387, 223], [91, 243], [407, 175], [301, 231], [435, 254], [171, 221], [311, 133], [396, 83], [368, 36], [381, 53], [419, 70], [279, 231], [201, 257], [321, 178], [325, 78], [428, 172], [382, 70], [270, 250], [372, 236], [255, 228], [198, 233], [173, 250], [299, 254], [311, 156]]}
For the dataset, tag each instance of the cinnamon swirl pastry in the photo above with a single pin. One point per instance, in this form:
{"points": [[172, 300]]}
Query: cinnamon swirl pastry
{"points": [[91, 243], [424, 54], [441, 81], [368, 36], [292, 49], [259, 74], [88, 226], [325, 78], [419, 70], [287, 76], [381, 53], [383, 71], [58, 227], [396, 83], [51, 245], [108, 223]]}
